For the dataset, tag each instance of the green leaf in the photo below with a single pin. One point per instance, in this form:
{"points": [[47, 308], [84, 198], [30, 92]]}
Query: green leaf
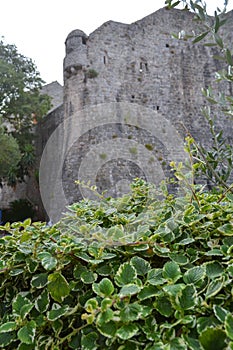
{"points": [[27, 333], [187, 241], [106, 303], [129, 289], [150, 329], [165, 233], [214, 252], [194, 275], [88, 341], [206, 322], [180, 259], [178, 344], [75, 341], [24, 346], [25, 309], [42, 301], [193, 343], [57, 326], [155, 277], [57, 312], [229, 325], [214, 287], [141, 247], [78, 270], [84, 256], [229, 57], [127, 331], [19, 303], [161, 251], [213, 338], [91, 305], [32, 265], [170, 5], [200, 37], [40, 320], [131, 312], [16, 272], [187, 297], [217, 23], [230, 270], [218, 40], [141, 265], [164, 306], [220, 313], [148, 292], [104, 270], [104, 288], [171, 224], [88, 277], [39, 281], [108, 329], [171, 271], [125, 274], [6, 339], [26, 236], [47, 260], [27, 222], [8, 327], [226, 229], [214, 269], [173, 289], [104, 317], [58, 287], [115, 233]]}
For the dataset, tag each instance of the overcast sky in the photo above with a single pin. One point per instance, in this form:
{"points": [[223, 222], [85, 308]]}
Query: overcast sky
{"points": [[39, 28]]}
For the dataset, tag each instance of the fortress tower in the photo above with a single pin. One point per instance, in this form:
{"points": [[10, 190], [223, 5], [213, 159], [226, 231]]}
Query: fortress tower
{"points": [[129, 90]]}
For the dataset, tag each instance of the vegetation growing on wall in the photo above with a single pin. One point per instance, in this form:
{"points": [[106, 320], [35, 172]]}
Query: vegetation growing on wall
{"points": [[92, 73]]}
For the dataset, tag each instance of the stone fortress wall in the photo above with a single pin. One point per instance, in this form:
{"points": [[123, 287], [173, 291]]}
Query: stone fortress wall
{"points": [[141, 64], [120, 75], [129, 88]]}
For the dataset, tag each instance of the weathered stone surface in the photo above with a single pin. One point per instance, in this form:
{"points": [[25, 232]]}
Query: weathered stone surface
{"points": [[147, 72], [55, 91], [130, 91]]}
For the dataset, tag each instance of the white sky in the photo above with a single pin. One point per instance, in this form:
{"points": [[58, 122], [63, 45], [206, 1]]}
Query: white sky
{"points": [[39, 28]]}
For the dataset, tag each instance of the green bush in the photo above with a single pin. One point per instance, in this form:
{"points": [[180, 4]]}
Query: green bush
{"points": [[19, 210], [135, 272]]}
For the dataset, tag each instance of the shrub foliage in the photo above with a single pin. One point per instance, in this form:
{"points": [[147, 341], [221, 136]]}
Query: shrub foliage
{"points": [[129, 273]]}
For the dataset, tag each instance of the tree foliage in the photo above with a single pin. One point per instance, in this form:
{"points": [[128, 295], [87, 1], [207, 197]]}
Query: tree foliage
{"points": [[10, 154], [20, 103]]}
